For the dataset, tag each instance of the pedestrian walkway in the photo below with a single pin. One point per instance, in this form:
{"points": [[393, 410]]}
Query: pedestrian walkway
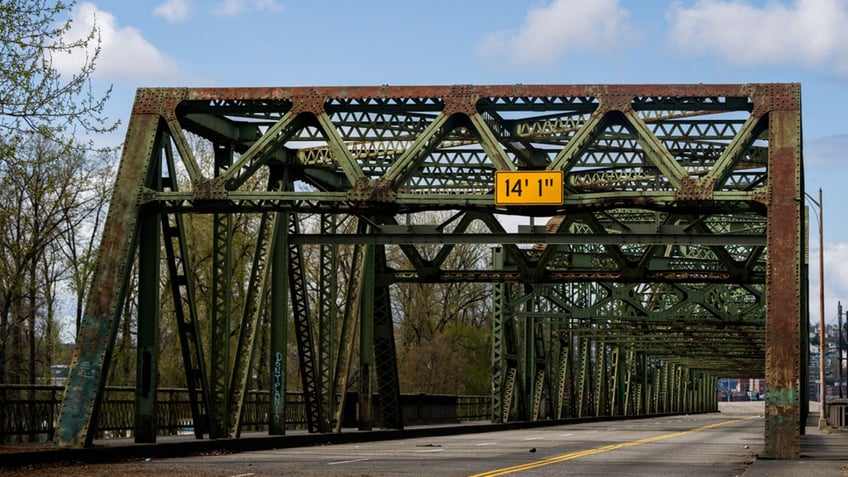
{"points": [[824, 453]]}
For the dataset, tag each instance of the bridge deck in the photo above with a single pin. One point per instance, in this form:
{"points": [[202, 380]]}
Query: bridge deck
{"points": [[823, 452]]}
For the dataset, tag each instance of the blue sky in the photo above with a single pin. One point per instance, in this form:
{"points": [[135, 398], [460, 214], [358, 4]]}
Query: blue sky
{"points": [[298, 43]]}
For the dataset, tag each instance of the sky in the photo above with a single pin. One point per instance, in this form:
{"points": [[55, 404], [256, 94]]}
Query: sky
{"points": [[236, 43]]}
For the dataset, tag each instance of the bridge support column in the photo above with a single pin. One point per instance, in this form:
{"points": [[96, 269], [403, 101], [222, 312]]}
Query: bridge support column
{"points": [[147, 351], [279, 328], [783, 283], [366, 340]]}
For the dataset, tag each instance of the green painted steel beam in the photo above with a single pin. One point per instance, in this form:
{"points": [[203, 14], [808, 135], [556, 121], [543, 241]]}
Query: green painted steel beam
{"points": [[385, 355], [185, 307], [350, 322], [258, 289], [366, 338], [499, 312], [685, 275], [147, 330], [328, 286], [147, 324], [303, 329], [422, 237], [350, 202], [103, 311], [279, 327], [222, 308]]}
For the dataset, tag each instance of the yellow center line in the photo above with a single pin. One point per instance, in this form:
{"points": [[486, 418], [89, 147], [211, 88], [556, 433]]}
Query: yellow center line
{"points": [[599, 450]]}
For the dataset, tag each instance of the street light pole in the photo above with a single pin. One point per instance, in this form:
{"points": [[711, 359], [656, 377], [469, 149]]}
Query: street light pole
{"points": [[839, 344], [822, 346]]}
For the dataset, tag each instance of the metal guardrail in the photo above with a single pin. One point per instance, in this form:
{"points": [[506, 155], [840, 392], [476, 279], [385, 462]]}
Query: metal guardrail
{"points": [[29, 413], [837, 413]]}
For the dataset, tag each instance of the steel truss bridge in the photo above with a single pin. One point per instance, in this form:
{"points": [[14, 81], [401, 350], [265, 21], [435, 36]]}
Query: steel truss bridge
{"points": [[675, 257]]}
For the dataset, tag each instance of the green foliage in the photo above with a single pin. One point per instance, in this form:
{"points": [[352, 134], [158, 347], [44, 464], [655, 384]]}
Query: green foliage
{"points": [[444, 330], [34, 95], [453, 361], [46, 178]]}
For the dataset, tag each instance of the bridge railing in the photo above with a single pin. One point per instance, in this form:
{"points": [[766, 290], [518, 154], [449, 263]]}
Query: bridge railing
{"points": [[29, 413]]}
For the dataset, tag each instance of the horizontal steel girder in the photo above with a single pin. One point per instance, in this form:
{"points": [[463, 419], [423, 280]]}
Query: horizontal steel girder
{"points": [[532, 238]]}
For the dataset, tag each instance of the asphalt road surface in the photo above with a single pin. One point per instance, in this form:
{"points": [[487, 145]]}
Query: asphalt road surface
{"points": [[719, 444]]}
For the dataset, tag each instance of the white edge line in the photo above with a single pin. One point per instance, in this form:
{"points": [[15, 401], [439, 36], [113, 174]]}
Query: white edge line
{"points": [[429, 450], [486, 444]]}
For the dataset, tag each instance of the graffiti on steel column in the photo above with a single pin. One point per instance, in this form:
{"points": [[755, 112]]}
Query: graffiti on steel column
{"points": [[277, 387]]}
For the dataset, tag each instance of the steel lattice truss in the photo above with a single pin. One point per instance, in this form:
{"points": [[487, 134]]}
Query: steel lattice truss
{"points": [[676, 250]]}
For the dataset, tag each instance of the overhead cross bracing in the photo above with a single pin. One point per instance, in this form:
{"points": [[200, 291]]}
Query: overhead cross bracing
{"points": [[674, 257]]}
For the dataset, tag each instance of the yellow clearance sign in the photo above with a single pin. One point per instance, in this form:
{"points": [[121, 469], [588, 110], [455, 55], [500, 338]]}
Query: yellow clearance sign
{"points": [[528, 188]]}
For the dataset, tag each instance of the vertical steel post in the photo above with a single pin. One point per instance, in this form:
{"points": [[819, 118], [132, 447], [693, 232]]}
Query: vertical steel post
{"points": [[498, 360], [583, 380], [220, 324], [348, 331], [616, 382], [656, 395], [627, 385], [839, 344], [328, 294], [680, 388], [303, 330], [185, 306], [279, 326], [147, 326], [525, 400], [385, 355], [601, 377], [563, 365], [147, 333], [710, 387], [698, 385], [644, 393], [783, 278], [366, 339], [222, 257], [254, 308], [673, 388]]}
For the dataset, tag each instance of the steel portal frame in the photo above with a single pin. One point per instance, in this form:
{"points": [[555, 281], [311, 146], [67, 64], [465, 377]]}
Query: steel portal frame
{"points": [[675, 258]]}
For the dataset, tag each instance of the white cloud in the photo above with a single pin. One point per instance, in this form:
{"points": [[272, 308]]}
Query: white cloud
{"points": [[236, 7], [174, 11], [124, 55], [835, 275], [550, 31], [805, 32]]}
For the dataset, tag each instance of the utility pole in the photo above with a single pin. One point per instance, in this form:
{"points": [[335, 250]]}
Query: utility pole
{"points": [[823, 414], [839, 344], [822, 332]]}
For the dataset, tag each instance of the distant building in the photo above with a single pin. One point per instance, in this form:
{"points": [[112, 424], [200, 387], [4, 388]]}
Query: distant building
{"points": [[734, 389], [58, 374]]}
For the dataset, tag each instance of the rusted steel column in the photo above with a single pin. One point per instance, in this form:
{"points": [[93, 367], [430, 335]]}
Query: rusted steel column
{"points": [[96, 336], [783, 278]]}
